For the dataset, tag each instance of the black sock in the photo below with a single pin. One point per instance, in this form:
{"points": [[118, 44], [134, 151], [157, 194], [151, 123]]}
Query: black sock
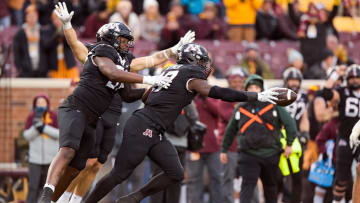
{"points": [[156, 184], [103, 187], [46, 195]]}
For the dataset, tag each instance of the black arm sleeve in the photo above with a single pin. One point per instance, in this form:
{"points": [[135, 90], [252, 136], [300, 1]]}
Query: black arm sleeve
{"points": [[230, 95], [327, 94], [130, 95]]}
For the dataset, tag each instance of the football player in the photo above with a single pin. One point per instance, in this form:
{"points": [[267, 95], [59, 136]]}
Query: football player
{"points": [[348, 98], [106, 66], [144, 129], [298, 110]]}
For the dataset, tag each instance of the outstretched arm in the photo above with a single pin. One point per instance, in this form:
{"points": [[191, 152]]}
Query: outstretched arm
{"points": [[78, 48], [226, 94], [161, 56]]}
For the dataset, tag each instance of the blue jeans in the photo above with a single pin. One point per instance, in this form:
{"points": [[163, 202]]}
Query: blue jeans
{"points": [[195, 186]]}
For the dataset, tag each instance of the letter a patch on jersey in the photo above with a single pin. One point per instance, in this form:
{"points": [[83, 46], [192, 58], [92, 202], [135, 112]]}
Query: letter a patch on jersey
{"points": [[148, 133]]}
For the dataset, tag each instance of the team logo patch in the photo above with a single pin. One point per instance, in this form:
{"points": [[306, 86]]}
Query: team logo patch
{"points": [[148, 133]]}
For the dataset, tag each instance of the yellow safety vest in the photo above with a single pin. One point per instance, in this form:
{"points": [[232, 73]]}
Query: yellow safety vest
{"points": [[294, 157]]}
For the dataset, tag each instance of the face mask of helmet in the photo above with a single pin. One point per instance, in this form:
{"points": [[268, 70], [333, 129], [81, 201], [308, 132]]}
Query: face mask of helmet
{"points": [[124, 45], [353, 86], [294, 88]]}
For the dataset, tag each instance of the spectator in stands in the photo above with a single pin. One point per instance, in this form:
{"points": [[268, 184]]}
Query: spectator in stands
{"points": [[319, 70], [45, 9], [295, 59], [254, 64], [286, 27], [81, 11], [195, 7], [208, 156], [60, 59], [339, 51], [152, 22], [236, 80], [16, 10], [95, 21], [177, 23], [125, 14], [266, 21], [41, 130], [29, 58], [241, 16], [210, 25], [314, 27], [216, 71], [351, 8], [5, 20]]}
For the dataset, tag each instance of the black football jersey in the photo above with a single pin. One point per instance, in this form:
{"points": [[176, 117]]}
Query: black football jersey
{"points": [[164, 105], [298, 108], [349, 111], [95, 91]]}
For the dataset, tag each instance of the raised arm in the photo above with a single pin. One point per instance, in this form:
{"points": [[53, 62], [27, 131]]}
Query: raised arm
{"points": [[328, 92], [78, 48], [161, 56]]}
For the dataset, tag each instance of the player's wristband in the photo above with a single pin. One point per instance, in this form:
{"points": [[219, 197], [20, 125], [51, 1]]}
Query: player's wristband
{"points": [[148, 80], [67, 25]]}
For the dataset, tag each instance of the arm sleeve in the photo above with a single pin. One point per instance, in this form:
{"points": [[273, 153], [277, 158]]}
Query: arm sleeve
{"points": [[191, 113], [30, 133], [230, 132], [230, 95], [292, 15], [289, 123], [51, 131], [333, 13]]}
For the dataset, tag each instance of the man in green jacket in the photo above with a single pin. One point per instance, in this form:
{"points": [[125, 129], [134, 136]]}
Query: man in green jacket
{"points": [[258, 125]]}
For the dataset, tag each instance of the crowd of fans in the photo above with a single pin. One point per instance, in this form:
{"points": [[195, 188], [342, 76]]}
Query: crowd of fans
{"points": [[164, 22], [40, 50]]}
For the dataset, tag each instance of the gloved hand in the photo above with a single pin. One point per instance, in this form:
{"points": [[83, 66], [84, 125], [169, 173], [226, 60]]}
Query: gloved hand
{"points": [[158, 80], [39, 126], [62, 12], [187, 38], [268, 95], [354, 136]]}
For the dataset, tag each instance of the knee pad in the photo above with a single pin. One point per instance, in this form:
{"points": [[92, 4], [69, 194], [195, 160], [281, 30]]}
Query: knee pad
{"points": [[339, 189]]}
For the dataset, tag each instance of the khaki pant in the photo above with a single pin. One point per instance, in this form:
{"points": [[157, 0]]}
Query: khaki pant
{"points": [[238, 34]]}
